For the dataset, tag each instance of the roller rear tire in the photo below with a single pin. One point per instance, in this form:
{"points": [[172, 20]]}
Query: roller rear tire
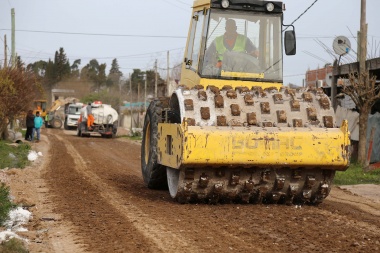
{"points": [[154, 174]]}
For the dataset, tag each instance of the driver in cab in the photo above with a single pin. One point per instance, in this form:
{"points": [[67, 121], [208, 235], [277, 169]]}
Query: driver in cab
{"points": [[229, 41]]}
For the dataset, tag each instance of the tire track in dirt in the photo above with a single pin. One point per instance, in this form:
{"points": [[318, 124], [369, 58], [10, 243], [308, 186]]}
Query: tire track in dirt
{"points": [[112, 167], [149, 228], [167, 212], [366, 207], [99, 226]]}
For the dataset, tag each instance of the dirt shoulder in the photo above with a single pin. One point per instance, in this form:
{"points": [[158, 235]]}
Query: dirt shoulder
{"points": [[47, 231], [87, 195], [369, 191]]}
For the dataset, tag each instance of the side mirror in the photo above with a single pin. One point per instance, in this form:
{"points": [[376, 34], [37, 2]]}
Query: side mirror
{"points": [[290, 42]]}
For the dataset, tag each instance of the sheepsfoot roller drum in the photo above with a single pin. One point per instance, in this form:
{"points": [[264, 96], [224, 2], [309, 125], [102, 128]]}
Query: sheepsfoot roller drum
{"points": [[244, 145]]}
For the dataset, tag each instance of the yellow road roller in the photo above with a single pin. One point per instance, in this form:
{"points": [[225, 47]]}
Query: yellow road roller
{"points": [[231, 132]]}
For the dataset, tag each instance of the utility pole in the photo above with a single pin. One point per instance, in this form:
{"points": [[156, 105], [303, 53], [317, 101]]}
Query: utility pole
{"points": [[130, 102], [13, 57], [145, 91], [155, 79], [167, 77], [363, 37], [138, 101], [5, 51], [120, 103]]}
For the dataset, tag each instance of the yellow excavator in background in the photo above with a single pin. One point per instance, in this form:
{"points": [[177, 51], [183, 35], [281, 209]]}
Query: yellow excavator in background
{"points": [[56, 113], [53, 116], [39, 105], [231, 131], [54, 119]]}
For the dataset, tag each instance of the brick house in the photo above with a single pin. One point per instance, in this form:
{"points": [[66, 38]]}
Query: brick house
{"points": [[320, 77]]}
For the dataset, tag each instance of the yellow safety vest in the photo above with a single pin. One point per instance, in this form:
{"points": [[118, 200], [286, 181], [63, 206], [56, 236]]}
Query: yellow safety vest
{"points": [[238, 47]]}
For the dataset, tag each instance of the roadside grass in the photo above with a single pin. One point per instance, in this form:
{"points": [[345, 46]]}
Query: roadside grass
{"points": [[133, 138], [13, 156], [355, 175], [13, 246], [5, 203]]}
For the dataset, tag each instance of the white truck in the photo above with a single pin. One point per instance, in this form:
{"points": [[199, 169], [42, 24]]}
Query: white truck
{"points": [[105, 121], [72, 114]]}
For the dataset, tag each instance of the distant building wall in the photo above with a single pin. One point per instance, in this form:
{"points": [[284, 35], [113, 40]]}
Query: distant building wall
{"points": [[319, 77]]}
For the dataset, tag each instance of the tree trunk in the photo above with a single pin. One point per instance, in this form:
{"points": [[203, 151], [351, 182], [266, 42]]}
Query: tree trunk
{"points": [[3, 130], [362, 149]]}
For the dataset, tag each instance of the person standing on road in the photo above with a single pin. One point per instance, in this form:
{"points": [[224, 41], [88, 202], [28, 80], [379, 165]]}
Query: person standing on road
{"points": [[46, 120], [29, 125], [90, 117], [38, 122]]}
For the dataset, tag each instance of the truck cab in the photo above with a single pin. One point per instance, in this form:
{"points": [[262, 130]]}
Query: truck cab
{"points": [[72, 114]]}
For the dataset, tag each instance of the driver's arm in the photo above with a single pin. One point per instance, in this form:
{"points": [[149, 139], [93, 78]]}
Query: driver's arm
{"points": [[251, 49], [211, 54]]}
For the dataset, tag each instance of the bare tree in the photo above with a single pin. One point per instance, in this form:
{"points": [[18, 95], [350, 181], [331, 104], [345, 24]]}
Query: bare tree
{"points": [[364, 92], [17, 89]]}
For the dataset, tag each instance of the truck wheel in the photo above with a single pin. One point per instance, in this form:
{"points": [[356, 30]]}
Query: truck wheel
{"points": [[83, 129], [56, 123], [65, 126], [114, 129], [154, 174]]}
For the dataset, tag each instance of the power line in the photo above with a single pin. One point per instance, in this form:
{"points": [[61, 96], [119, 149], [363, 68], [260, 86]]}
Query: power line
{"points": [[132, 55], [175, 5], [315, 56], [182, 2], [151, 54], [319, 37], [159, 36], [304, 12], [103, 34], [162, 51], [326, 48], [294, 75]]}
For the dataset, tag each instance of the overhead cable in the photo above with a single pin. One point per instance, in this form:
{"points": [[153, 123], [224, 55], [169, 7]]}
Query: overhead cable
{"points": [[103, 34], [304, 12]]}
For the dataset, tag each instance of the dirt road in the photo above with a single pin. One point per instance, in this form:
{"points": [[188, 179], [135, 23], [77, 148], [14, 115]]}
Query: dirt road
{"points": [[88, 196]]}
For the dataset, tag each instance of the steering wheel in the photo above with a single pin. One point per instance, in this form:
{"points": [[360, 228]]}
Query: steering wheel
{"points": [[240, 62]]}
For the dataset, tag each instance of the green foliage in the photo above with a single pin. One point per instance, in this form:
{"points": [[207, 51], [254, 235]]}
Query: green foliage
{"points": [[14, 156], [38, 68], [115, 74], [13, 246], [355, 175], [104, 96], [52, 71], [62, 65], [75, 68], [95, 72], [5, 203], [138, 77]]}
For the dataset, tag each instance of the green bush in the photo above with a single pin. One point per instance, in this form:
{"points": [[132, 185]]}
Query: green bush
{"points": [[5, 203], [14, 156], [13, 246]]}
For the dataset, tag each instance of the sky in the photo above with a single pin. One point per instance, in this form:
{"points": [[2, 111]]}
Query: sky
{"points": [[139, 32]]}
